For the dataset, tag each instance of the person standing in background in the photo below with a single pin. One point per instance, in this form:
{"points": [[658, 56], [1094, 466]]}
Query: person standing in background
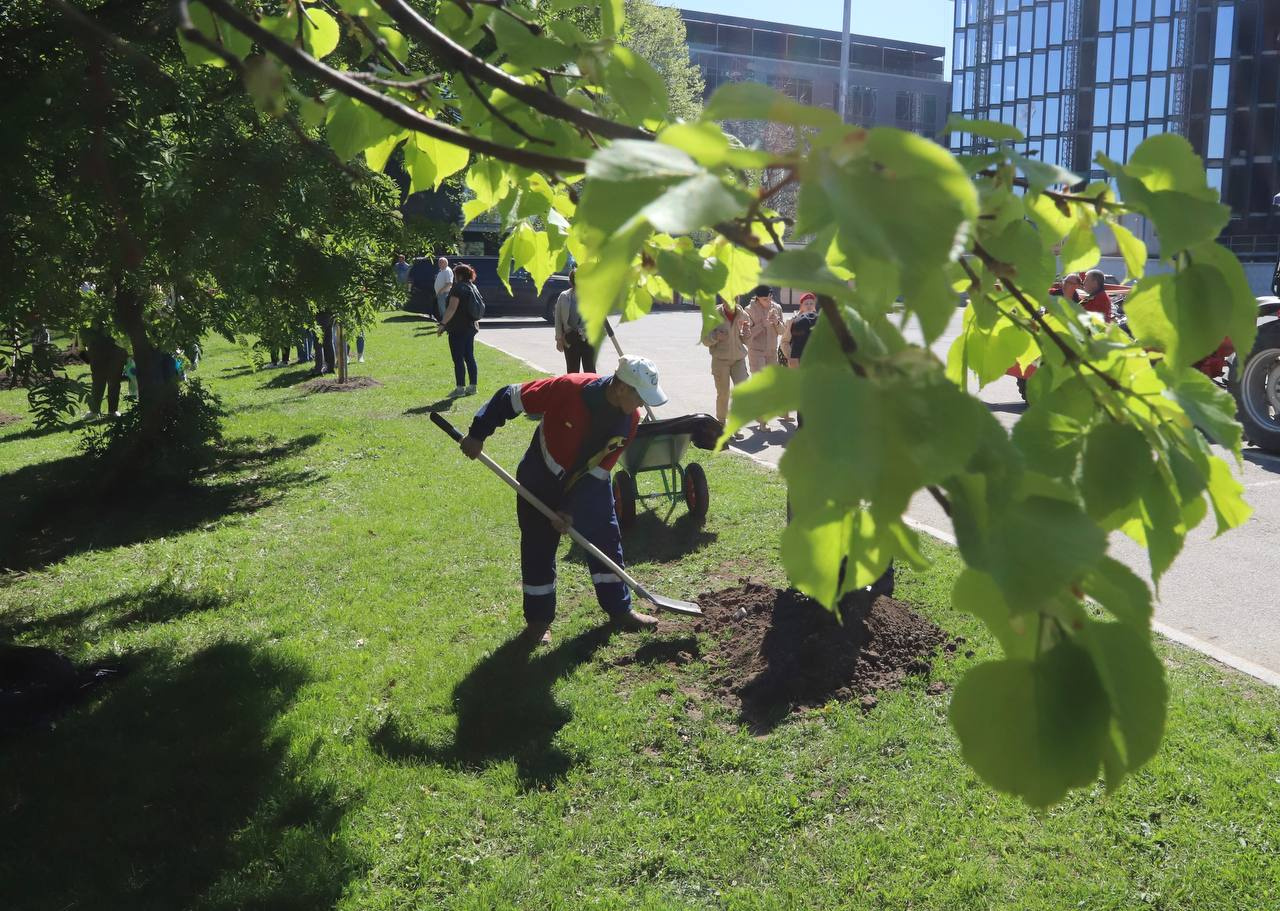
{"points": [[443, 285], [462, 328], [728, 354], [421, 297], [401, 269], [106, 368], [764, 316], [571, 331]]}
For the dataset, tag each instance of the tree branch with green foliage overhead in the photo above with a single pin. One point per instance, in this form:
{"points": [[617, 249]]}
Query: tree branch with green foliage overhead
{"points": [[1117, 434]]}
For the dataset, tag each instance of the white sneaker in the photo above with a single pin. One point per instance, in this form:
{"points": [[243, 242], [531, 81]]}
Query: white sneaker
{"points": [[360, 359], [458, 390], [471, 390]]}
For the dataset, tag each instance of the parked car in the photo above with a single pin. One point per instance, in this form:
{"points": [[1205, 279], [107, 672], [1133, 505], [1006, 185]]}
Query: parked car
{"points": [[525, 297]]}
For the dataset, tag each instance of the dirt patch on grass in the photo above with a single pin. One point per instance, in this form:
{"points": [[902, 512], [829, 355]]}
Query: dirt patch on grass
{"points": [[329, 384], [7, 418], [775, 651]]}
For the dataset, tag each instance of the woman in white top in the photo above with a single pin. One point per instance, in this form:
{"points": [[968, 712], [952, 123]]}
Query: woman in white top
{"points": [[571, 331]]}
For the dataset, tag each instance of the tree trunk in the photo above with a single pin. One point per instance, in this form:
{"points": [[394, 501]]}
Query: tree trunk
{"points": [[341, 348], [157, 380]]}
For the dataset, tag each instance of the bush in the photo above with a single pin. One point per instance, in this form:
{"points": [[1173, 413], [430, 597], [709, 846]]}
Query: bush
{"points": [[171, 451]]}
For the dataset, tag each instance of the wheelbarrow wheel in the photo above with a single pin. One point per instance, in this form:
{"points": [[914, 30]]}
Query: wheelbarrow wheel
{"points": [[624, 498], [696, 494]]}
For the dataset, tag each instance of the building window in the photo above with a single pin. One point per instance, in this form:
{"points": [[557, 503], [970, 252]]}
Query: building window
{"points": [[1106, 15], [1052, 114], [1157, 98], [1054, 81], [1115, 146], [1101, 107], [862, 103], [1216, 146], [1138, 100], [1119, 103], [1121, 68], [1223, 33], [1221, 77], [905, 107], [1024, 77], [1142, 12], [1141, 48], [930, 115], [1037, 73], [1055, 22], [1160, 47], [1103, 70]]}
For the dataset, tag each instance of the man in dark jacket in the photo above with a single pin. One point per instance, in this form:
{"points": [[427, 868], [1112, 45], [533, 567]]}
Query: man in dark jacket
{"points": [[587, 420]]}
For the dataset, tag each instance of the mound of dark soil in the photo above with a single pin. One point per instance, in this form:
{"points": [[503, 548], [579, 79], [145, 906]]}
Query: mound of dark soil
{"points": [[777, 651], [330, 384], [7, 418]]}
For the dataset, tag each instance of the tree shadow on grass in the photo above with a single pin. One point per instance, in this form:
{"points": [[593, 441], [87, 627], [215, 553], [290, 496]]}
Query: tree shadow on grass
{"points": [[506, 711], [406, 318], [160, 603], [33, 432], [284, 380], [49, 515], [443, 406], [171, 790]]}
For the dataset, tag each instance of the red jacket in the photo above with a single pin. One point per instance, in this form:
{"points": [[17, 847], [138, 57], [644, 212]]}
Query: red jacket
{"points": [[581, 432], [1100, 303]]}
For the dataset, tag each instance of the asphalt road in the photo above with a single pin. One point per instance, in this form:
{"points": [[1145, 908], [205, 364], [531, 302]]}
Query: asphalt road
{"points": [[1222, 595]]}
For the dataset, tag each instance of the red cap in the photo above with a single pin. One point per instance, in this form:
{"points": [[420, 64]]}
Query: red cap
{"points": [[808, 295]]}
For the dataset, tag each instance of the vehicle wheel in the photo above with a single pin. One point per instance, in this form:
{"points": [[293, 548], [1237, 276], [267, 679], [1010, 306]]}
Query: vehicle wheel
{"points": [[696, 494], [624, 498], [1256, 386], [549, 310], [1022, 387]]}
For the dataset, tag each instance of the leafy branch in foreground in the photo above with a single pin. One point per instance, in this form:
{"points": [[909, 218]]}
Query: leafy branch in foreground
{"points": [[566, 136]]}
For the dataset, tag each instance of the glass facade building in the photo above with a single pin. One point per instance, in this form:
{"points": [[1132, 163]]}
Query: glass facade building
{"points": [[1080, 77], [891, 83]]}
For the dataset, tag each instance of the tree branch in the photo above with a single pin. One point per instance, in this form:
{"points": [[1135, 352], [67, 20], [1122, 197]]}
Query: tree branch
{"points": [[452, 54], [393, 110], [489, 106]]}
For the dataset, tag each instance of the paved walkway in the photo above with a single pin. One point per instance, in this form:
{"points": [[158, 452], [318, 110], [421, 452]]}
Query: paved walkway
{"points": [[1222, 595]]}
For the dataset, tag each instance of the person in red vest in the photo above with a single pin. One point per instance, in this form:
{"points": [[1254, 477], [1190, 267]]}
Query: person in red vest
{"points": [[587, 420], [1095, 295]]}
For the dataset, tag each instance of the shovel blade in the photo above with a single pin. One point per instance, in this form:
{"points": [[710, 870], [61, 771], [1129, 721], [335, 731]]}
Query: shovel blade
{"points": [[674, 605]]}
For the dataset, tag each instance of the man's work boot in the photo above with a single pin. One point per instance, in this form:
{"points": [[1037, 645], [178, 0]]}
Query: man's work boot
{"points": [[634, 620], [536, 634]]}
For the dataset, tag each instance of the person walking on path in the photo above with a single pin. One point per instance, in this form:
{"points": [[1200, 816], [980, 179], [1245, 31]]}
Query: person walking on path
{"points": [[571, 331], [462, 326], [443, 284], [106, 368], [764, 316], [728, 354], [587, 420]]}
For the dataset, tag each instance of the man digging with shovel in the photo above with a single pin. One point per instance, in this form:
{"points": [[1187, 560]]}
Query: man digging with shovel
{"points": [[587, 421]]}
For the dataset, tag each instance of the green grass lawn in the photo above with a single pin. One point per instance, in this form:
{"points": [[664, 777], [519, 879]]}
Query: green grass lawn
{"points": [[323, 710]]}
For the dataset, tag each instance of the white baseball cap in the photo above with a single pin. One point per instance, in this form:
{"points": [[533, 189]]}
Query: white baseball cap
{"points": [[641, 374]]}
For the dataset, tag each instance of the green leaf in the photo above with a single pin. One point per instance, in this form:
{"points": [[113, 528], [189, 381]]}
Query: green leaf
{"points": [[396, 43], [320, 33], [527, 50], [1080, 252], [1132, 249], [1211, 408], [772, 392], [636, 85], [743, 267], [1164, 179], [756, 101], [706, 143], [1117, 463], [991, 129], [695, 203], [1185, 315], [1121, 592], [635, 159], [1033, 729], [430, 162], [1167, 161], [1133, 677], [813, 546], [1226, 495], [376, 155], [604, 282], [352, 127], [1043, 174], [976, 593], [807, 268], [1039, 546], [217, 31], [613, 16], [1233, 290]]}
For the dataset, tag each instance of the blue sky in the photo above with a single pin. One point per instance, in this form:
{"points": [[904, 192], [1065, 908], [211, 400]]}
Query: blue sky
{"points": [[925, 21]]}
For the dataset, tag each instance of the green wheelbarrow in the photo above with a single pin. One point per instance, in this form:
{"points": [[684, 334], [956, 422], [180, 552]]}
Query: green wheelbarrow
{"points": [[659, 448]]}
